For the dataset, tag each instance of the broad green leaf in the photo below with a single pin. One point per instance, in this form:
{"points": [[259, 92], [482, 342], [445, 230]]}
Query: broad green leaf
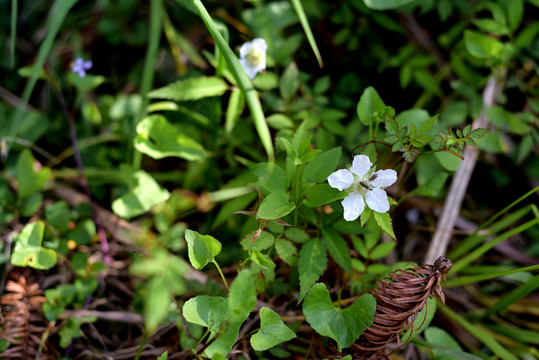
{"points": [[58, 215], [322, 166], [28, 250], [342, 325], [141, 198], [386, 4], [448, 161], [191, 89], [30, 179], [287, 251], [494, 143], [439, 337], [272, 331], [369, 103], [220, 348], [271, 177], [338, 249], [482, 46], [275, 206], [384, 222], [264, 241], [157, 300], [157, 138], [321, 194], [312, 264], [202, 249], [411, 117], [289, 83], [208, 311], [242, 295]]}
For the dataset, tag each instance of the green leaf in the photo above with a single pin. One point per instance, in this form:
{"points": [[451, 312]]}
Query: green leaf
{"points": [[202, 249], [448, 161], [158, 138], [28, 250], [369, 104], [220, 348], [242, 295], [482, 46], [29, 179], [83, 232], [322, 166], [307, 29], [439, 337], [141, 198], [163, 356], [271, 177], [275, 206], [338, 249], [287, 251], [422, 320], [272, 331], [386, 4], [157, 301], [426, 126], [296, 235], [312, 264], [382, 250], [58, 215], [235, 107], [321, 194], [280, 121], [264, 241], [342, 325], [289, 81], [384, 222], [191, 89], [208, 311]]}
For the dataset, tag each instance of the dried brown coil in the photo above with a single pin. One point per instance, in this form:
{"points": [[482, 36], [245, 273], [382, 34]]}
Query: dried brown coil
{"points": [[398, 300]]}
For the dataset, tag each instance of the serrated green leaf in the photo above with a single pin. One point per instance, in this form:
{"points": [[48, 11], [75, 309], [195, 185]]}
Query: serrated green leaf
{"points": [[384, 222], [272, 331], [191, 89], [202, 249], [287, 251], [427, 125], [271, 177], [322, 166], [365, 215], [342, 325], [289, 83], [264, 241], [338, 249], [392, 126], [158, 138], [312, 263], [275, 206], [296, 235], [369, 103], [208, 311]]}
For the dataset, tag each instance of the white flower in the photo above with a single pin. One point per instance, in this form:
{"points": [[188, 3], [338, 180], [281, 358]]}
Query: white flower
{"points": [[363, 185], [253, 56]]}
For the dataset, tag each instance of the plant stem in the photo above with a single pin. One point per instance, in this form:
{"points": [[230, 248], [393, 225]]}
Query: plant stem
{"points": [[221, 273]]}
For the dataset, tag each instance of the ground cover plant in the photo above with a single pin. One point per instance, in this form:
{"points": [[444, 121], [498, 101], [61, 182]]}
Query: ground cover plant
{"points": [[269, 179]]}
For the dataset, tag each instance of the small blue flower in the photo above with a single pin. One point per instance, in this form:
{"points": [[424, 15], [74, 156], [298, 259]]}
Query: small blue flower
{"points": [[80, 66]]}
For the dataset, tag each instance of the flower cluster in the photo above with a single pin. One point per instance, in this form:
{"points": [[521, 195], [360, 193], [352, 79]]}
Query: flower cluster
{"points": [[253, 56], [80, 66], [363, 185]]}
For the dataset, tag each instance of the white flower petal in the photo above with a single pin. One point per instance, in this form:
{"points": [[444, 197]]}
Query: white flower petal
{"points": [[260, 45], [384, 178], [353, 206], [341, 179], [245, 49], [250, 70], [361, 165], [377, 200]]}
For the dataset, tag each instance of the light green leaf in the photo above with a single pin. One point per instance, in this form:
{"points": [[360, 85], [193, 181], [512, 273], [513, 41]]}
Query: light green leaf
{"points": [[275, 206], [220, 348], [158, 138], [236, 104], [28, 250], [30, 179], [337, 247], [202, 249], [322, 166], [384, 222], [386, 4], [141, 198], [321, 194], [242, 295], [157, 300], [382, 250], [482, 46], [451, 348], [312, 264], [342, 325], [422, 320], [208, 311], [264, 241], [191, 89], [272, 331], [448, 161], [287, 251], [271, 177], [369, 104]]}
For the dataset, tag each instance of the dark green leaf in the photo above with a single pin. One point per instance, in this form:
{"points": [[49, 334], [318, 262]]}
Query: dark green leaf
{"points": [[30, 179], [369, 103], [271, 177], [338, 249], [312, 264], [321, 194], [322, 166]]}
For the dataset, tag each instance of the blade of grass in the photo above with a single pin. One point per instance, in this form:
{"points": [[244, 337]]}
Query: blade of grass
{"points": [[244, 83], [527, 336], [480, 334], [464, 280], [516, 294], [307, 29], [156, 9], [14, 12], [57, 14], [457, 266]]}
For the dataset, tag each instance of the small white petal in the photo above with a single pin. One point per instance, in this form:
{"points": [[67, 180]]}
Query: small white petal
{"points": [[245, 49], [341, 179], [353, 206], [377, 200], [384, 178], [361, 165], [260, 45], [250, 70]]}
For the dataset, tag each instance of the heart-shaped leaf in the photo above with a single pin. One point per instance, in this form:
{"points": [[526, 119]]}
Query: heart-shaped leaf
{"points": [[342, 325], [208, 311], [272, 331], [28, 250], [202, 249]]}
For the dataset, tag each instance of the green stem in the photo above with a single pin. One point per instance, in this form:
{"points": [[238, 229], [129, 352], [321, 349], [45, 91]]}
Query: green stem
{"points": [[221, 273]]}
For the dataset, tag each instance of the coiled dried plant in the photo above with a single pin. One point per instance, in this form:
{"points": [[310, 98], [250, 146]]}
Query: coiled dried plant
{"points": [[399, 299], [21, 319]]}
